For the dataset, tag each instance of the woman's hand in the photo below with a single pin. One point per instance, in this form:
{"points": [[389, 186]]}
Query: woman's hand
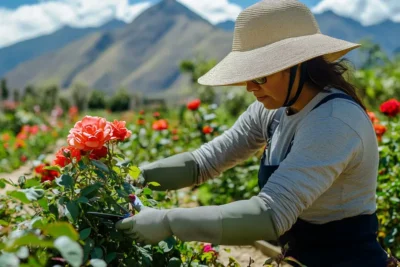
{"points": [[150, 226]]}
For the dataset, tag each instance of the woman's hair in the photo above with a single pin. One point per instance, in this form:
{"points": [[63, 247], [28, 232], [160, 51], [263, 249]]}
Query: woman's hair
{"points": [[323, 73]]}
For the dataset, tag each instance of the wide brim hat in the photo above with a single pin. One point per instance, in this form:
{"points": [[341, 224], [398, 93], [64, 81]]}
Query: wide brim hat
{"points": [[271, 36]]}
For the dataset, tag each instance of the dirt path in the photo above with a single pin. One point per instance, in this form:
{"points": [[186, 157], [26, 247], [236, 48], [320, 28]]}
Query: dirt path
{"points": [[27, 168]]}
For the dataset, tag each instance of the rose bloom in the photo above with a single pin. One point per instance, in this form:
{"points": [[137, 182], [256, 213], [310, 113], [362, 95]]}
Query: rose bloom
{"points": [[194, 105], [119, 131], [46, 175], [65, 155], [208, 248], [156, 114], [390, 108], [141, 122], [380, 129], [207, 129], [90, 133], [372, 117], [99, 153], [160, 125]]}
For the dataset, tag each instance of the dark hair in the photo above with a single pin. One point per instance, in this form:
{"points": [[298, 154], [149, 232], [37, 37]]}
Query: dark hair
{"points": [[323, 73]]}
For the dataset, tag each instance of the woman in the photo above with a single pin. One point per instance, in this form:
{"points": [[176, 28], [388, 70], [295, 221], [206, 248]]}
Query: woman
{"points": [[318, 173]]}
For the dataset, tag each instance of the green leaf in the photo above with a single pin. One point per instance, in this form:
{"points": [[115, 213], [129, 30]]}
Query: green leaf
{"points": [[134, 172], [21, 180], [110, 257], [100, 174], [61, 229], [100, 165], [9, 260], [3, 223], [147, 191], [82, 200], [32, 182], [174, 262], [32, 240], [154, 184], [98, 263], [66, 181], [89, 189], [72, 211], [33, 194], [167, 245], [19, 195], [2, 183], [97, 253], [85, 233], [44, 204], [53, 168], [70, 250]]}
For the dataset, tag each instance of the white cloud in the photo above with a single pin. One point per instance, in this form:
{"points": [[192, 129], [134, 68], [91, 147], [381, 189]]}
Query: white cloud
{"points": [[30, 21], [214, 11], [367, 12]]}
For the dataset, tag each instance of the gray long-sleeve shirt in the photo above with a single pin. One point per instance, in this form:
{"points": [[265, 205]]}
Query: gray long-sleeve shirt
{"points": [[330, 173]]}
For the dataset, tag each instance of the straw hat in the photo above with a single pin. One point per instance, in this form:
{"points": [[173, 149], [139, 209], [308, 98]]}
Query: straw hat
{"points": [[270, 36]]}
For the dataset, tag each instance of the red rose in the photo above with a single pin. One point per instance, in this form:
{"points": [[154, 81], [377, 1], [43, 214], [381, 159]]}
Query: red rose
{"points": [[379, 129], [119, 131], [156, 114], [160, 125], [46, 175], [194, 105], [90, 133], [141, 122], [372, 117], [65, 155], [390, 108], [99, 153], [207, 129]]}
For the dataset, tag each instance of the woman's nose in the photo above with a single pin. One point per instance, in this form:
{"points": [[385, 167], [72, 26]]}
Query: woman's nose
{"points": [[251, 87]]}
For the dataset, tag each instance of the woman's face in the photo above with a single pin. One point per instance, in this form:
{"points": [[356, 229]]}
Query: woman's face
{"points": [[272, 93]]}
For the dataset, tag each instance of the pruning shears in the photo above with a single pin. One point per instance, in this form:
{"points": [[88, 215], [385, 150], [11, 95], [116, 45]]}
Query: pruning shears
{"points": [[136, 203]]}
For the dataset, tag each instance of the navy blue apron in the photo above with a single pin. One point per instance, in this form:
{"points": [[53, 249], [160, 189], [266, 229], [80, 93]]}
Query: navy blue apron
{"points": [[349, 242]]}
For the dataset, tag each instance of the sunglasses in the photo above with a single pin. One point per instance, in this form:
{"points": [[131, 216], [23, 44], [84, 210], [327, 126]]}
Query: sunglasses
{"points": [[260, 81]]}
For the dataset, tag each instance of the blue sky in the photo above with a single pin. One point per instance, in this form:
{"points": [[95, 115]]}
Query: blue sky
{"points": [[39, 17], [11, 4]]}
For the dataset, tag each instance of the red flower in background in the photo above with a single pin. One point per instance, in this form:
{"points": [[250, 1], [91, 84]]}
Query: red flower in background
{"points": [[141, 112], [65, 155], [372, 117], [207, 129], [46, 175], [390, 108], [194, 105], [380, 130], [119, 131], [99, 153], [90, 133], [141, 122], [34, 129], [156, 114], [160, 125]]}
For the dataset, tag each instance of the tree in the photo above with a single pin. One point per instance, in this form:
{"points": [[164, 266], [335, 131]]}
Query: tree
{"points": [[120, 101], [4, 89], [80, 95], [197, 68], [97, 100]]}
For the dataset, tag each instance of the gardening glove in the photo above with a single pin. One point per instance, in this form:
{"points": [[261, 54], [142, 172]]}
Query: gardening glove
{"points": [[238, 223], [149, 226], [171, 173]]}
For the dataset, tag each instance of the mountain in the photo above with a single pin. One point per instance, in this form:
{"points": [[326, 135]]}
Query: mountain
{"points": [[344, 28], [13, 55], [143, 56]]}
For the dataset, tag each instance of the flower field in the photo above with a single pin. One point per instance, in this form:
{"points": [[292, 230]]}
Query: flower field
{"points": [[45, 220]]}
